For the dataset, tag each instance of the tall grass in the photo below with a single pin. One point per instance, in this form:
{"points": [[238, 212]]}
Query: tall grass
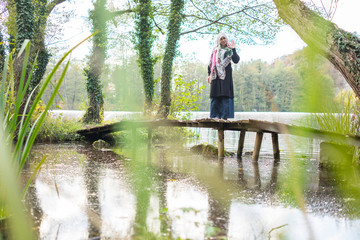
{"points": [[18, 133], [342, 117]]}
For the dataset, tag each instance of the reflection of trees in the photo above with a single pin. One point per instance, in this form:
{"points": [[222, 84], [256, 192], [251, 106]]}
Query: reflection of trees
{"points": [[34, 204], [257, 180], [93, 164], [219, 205], [31, 199], [142, 185], [220, 202], [91, 178], [162, 189]]}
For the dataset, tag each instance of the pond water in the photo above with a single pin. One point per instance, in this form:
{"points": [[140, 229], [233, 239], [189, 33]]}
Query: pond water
{"points": [[84, 193]]}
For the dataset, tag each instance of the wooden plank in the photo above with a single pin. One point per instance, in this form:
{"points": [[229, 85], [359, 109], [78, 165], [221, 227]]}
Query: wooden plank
{"points": [[275, 143], [221, 143], [258, 140], [247, 125], [241, 143]]}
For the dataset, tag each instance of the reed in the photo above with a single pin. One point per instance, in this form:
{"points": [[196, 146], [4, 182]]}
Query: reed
{"points": [[18, 133]]}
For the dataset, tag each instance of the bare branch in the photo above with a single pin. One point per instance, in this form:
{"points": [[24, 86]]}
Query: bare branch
{"points": [[199, 9], [217, 20], [53, 4], [212, 22], [158, 27]]}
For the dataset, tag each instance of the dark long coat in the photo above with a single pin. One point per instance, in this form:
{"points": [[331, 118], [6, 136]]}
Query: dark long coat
{"points": [[224, 88]]}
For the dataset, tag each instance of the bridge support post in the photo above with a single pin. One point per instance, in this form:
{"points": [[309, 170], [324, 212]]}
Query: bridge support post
{"points": [[258, 140], [275, 143], [221, 143], [241, 143]]}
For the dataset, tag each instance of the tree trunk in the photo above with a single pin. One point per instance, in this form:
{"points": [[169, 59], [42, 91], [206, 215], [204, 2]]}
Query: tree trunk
{"points": [[144, 43], [173, 37], [2, 54], [341, 48], [95, 110], [33, 28], [41, 11], [25, 24]]}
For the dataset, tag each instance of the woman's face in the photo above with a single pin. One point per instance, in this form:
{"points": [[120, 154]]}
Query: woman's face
{"points": [[223, 41]]}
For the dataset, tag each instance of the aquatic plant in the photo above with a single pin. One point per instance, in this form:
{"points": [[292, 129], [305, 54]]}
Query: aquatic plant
{"points": [[20, 132]]}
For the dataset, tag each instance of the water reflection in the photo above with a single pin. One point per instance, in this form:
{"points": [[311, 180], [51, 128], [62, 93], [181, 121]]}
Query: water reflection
{"points": [[82, 193]]}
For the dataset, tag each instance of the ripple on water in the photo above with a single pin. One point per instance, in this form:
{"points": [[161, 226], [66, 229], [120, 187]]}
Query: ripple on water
{"points": [[85, 193]]}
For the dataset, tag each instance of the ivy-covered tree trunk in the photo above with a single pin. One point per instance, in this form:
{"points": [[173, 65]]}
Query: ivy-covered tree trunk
{"points": [[98, 18], [2, 53], [31, 19], [172, 39], [25, 24], [341, 48], [144, 40], [42, 13]]}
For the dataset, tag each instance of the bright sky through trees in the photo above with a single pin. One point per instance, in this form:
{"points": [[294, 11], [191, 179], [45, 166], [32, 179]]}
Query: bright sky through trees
{"points": [[287, 41]]}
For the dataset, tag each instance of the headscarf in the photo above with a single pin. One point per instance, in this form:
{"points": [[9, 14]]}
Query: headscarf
{"points": [[220, 58]]}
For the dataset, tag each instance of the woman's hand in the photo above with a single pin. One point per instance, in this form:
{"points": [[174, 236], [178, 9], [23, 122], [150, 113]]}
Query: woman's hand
{"points": [[209, 79], [232, 44]]}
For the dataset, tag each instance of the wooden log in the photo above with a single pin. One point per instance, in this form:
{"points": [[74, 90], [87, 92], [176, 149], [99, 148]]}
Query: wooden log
{"points": [[220, 143], [241, 143], [258, 140], [275, 143]]}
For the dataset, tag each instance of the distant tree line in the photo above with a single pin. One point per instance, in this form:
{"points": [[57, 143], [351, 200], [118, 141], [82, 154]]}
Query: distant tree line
{"points": [[282, 85]]}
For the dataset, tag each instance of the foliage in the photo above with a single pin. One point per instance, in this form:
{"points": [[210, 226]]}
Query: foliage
{"points": [[21, 130], [343, 165], [185, 96], [250, 22], [58, 130], [144, 40], [10, 197], [342, 117]]}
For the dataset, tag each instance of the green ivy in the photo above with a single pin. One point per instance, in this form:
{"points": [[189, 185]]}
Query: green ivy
{"points": [[93, 72], [173, 36], [25, 21], [347, 42], [144, 40], [2, 52]]}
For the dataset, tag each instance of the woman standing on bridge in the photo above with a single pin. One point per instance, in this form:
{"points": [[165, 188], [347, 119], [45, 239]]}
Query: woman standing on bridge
{"points": [[220, 78]]}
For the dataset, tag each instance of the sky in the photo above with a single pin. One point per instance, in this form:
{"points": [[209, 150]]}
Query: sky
{"points": [[287, 41]]}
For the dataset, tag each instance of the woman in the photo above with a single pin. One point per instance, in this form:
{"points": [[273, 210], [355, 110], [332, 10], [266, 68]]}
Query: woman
{"points": [[220, 78]]}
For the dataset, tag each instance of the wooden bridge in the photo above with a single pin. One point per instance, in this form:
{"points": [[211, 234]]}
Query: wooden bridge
{"points": [[260, 127]]}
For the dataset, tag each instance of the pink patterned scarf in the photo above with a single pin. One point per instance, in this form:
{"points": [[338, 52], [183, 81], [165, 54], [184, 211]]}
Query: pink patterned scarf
{"points": [[220, 58]]}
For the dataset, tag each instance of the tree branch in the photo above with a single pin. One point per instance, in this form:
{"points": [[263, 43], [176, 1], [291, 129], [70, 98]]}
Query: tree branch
{"points": [[199, 9], [53, 4], [217, 20], [111, 15], [121, 12], [158, 27], [211, 23]]}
